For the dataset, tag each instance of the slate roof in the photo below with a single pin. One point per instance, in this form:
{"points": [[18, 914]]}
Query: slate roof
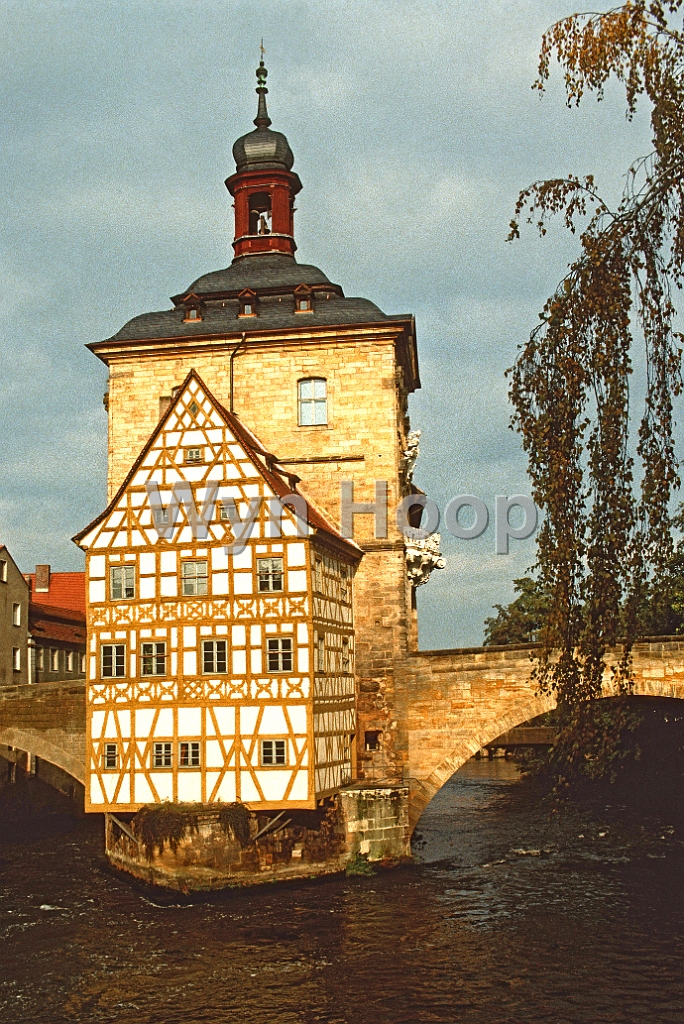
{"points": [[273, 277], [269, 270], [221, 319]]}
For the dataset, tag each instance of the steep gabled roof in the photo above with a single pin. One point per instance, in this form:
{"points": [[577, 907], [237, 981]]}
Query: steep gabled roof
{"points": [[281, 482]]}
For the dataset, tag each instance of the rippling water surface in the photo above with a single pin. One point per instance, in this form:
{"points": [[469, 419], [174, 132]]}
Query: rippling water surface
{"points": [[509, 916]]}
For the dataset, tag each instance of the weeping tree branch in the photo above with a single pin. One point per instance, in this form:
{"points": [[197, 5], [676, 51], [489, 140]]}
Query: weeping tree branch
{"points": [[603, 537]]}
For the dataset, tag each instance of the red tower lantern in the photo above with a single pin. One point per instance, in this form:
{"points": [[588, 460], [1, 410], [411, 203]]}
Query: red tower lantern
{"points": [[263, 186]]}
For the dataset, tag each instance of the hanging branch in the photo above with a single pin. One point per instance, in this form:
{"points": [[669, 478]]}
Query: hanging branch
{"points": [[602, 537]]}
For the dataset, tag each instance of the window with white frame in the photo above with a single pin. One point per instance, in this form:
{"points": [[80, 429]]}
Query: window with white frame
{"points": [[16, 659], [313, 402], [122, 582], [3, 570], [54, 660], [40, 658], [16, 614], [110, 756], [188, 755], [113, 660], [193, 455], [279, 654], [193, 578], [214, 656], [161, 755], [273, 752], [81, 662], [161, 516], [69, 661], [153, 659], [270, 573]]}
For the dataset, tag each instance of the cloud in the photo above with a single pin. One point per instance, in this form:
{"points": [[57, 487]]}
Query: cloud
{"points": [[413, 126]]}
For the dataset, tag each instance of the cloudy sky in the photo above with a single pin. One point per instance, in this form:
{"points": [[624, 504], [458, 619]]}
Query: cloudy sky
{"points": [[413, 126]]}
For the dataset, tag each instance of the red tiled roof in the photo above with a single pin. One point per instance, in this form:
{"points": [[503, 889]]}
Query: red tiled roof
{"points": [[66, 590], [61, 624]]}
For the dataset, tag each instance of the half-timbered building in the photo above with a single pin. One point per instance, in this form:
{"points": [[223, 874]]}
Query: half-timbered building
{"points": [[220, 636]]}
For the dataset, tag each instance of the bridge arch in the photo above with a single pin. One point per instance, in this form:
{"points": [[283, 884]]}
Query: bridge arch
{"points": [[34, 742], [506, 715]]}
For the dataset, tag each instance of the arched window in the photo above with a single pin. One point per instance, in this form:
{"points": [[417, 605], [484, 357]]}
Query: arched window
{"points": [[313, 402]]}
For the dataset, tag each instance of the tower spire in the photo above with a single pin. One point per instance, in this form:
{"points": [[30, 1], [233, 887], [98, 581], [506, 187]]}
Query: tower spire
{"points": [[262, 120]]}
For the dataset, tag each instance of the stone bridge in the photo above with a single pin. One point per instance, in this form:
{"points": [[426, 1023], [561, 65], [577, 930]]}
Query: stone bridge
{"points": [[460, 701], [48, 720], [451, 704]]}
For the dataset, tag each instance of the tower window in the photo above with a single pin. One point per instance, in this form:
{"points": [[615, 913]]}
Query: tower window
{"points": [[372, 739], [260, 213], [345, 654], [247, 300], [161, 755], [313, 402], [189, 755], [122, 582], [113, 660], [303, 299], [193, 578], [279, 651], [273, 752], [111, 756], [153, 659], [270, 571], [214, 656]]}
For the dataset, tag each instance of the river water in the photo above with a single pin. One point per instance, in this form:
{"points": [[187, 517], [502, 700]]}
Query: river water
{"points": [[509, 916]]}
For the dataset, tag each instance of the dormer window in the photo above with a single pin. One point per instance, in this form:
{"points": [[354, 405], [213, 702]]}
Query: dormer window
{"points": [[193, 310], [303, 299], [247, 300]]}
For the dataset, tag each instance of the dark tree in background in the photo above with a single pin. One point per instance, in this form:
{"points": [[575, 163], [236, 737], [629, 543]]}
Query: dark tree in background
{"points": [[603, 538]]}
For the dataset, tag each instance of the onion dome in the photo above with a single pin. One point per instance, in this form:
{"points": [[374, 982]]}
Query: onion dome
{"points": [[262, 149]]}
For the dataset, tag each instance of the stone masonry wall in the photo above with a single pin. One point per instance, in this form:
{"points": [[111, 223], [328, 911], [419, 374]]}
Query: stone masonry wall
{"points": [[367, 425]]}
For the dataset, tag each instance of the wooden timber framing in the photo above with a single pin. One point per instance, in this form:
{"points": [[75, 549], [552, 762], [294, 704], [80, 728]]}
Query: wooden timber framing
{"points": [[165, 582]]}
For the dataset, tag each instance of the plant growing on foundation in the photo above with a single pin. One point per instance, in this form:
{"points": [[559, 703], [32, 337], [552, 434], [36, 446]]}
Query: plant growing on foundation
{"points": [[158, 824], [358, 865], [236, 818]]}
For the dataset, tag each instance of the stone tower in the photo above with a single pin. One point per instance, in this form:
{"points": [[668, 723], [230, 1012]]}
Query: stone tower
{"points": [[322, 379]]}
